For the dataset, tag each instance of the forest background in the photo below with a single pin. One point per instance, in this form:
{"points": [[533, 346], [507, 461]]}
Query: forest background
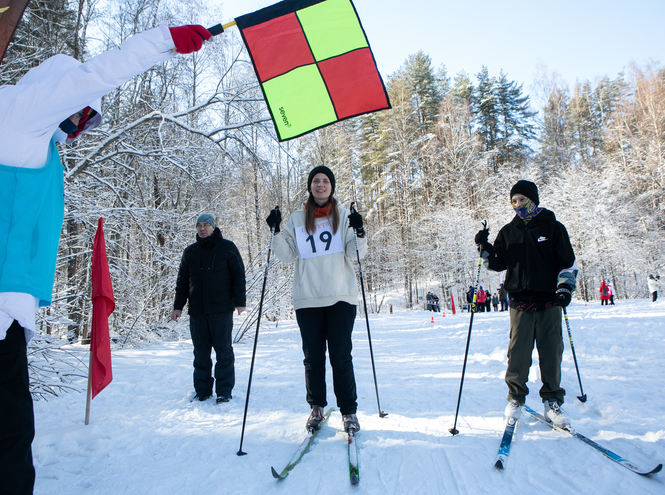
{"points": [[194, 135]]}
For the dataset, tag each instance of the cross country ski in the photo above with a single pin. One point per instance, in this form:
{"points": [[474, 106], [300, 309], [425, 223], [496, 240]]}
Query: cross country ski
{"points": [[302, 449], [606, 452]]}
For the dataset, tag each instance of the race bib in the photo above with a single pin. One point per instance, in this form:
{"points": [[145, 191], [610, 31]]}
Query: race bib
{"points": [[321, 242]]}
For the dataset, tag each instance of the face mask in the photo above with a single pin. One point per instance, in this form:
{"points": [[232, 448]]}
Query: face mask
{"points": [[527, 211], [60, 136]]}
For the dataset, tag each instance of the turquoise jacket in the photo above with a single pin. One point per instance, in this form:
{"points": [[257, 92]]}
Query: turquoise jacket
{"points": [[32, 205]]}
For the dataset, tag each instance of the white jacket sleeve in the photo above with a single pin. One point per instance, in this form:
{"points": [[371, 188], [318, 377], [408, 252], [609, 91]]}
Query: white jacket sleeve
{"points": [[284, 243], [49, 93]]}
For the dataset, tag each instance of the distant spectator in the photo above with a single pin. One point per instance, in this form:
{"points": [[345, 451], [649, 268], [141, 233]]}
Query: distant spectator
{"points": [[503, 298], [435, 304], [428, 304], [488, 301], [653, 287], [610, 288], [469, 297], [480, 307], [604, 293], [495, 302]]}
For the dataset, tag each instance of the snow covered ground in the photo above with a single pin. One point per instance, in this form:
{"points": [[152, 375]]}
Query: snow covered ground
{"points": [[145, 437]]}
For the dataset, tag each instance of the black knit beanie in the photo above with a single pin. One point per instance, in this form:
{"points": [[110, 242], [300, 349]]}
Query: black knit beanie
{"points": [[527, 188], [321, 169]]}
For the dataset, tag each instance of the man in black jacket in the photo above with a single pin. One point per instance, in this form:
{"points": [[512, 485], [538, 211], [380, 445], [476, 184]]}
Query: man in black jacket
{"points": [[212, 277], [535, 250]]}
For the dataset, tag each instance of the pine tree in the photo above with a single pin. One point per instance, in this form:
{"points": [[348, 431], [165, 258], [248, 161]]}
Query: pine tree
{"points": [[485, 108], [555, 148], [424, 87], [516, 127], [463, 88]]}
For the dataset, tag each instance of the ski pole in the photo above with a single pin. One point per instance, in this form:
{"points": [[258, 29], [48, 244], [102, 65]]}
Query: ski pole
{"points": [[369, 336], [454, 430], [582, 397], [256, 339]]}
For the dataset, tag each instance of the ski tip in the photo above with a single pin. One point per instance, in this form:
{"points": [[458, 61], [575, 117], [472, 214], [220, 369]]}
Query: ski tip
{"points": [[656, 469], [275, 474], [498, 464], [354, 479]]}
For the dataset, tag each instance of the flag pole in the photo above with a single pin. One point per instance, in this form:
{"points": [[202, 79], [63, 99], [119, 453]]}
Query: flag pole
{"points": [[89, 393]]}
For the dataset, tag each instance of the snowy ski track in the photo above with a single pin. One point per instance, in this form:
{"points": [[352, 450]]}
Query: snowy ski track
{"points": [[145, 437]]}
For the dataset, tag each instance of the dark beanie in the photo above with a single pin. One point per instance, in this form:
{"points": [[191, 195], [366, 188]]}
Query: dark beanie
{"points": [[321, 169], [527, 188]]}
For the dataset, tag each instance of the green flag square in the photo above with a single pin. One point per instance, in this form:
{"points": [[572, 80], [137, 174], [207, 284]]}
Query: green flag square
{"points": [[299, 101], [332, 28]]}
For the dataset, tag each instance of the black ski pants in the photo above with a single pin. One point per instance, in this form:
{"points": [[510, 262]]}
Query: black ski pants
{"points": [[208, 332], [332, 325], [17, 419], [543, 328]]}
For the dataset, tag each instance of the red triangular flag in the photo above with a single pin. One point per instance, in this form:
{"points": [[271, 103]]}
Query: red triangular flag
{"points": [[103, 305], [11, 12], [452, 302]]}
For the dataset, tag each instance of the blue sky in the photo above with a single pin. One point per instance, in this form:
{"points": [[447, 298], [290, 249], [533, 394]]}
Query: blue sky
{"points": [[583, 39]]}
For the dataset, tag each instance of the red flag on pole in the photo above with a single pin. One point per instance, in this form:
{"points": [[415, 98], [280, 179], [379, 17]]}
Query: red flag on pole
{"points": [[11, 12], [452, 302], [103, 305]]}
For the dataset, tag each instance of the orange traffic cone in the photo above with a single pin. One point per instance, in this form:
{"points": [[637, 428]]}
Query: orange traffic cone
{"points": [[432, 319]]}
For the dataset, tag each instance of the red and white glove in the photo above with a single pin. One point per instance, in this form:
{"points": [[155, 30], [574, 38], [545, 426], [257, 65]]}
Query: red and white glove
{"points": [[189, 38]]}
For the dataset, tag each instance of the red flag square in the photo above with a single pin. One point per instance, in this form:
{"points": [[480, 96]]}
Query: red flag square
{"points": [[277, 46], [103, 305], [354, 84]]}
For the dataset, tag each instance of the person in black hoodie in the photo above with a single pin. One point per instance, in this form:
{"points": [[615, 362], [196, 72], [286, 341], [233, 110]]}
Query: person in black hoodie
{"points": [[536, 251], [469, 297], [212, 277]]}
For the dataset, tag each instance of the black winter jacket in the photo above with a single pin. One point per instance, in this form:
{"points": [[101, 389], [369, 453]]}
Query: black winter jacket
{"points": [[534, 254], [211, 276]]}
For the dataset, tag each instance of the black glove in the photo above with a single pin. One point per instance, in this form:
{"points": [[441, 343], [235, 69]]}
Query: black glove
{"points": [[274, 219], [356, 222], [481, 240], [482, 236], [563, 295]]}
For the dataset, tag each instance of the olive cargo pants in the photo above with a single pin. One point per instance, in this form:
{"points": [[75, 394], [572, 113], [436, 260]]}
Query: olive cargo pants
{"points": [[543, 328]]}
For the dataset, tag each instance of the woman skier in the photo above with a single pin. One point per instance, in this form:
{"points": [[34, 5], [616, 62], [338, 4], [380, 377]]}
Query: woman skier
{"points": [[325, 293]]}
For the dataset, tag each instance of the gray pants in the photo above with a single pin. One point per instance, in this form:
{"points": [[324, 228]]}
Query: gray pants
{"points": [[543, 328]]}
